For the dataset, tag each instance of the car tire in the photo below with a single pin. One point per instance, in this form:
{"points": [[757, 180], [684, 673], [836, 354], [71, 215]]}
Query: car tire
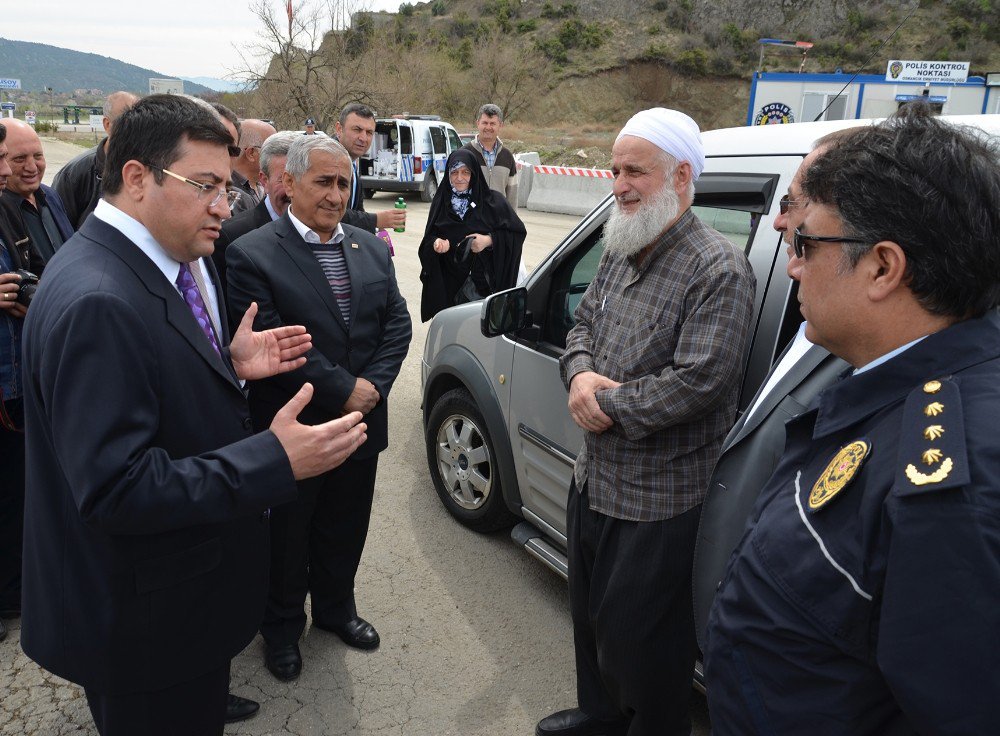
{"points": [[462, 460], [430, 187]]}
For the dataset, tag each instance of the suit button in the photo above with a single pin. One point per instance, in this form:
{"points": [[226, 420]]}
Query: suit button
{"points": [[248, 424], [266, 515]]}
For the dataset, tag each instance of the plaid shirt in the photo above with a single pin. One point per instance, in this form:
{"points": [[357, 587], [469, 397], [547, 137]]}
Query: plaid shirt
{"points": [[673, 332]]}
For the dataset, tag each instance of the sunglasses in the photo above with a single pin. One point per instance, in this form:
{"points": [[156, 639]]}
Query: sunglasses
{"points": [[800, 239], [786, 203]]}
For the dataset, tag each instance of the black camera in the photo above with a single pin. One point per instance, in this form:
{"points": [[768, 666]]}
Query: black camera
{"points": [[29, 284]]}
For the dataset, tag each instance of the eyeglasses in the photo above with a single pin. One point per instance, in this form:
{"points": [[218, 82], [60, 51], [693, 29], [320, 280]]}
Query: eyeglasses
{"points": [[216, 193], [800, 239], [786, 203]]}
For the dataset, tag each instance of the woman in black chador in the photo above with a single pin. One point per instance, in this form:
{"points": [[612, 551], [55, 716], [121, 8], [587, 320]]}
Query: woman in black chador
{"points": [[472, 244]]}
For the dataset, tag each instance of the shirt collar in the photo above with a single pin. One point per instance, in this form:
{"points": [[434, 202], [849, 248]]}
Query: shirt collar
{"points": [[888, 356], [308, 234], [270, 208], [943, 353], [496, 145], [138, 234]]}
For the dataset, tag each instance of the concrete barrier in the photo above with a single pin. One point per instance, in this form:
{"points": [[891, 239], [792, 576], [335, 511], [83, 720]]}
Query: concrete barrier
{"points": [[525, 169], [566, 190]]}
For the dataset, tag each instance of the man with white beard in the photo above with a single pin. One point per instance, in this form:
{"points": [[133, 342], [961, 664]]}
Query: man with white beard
{"points": [[653, 368]]}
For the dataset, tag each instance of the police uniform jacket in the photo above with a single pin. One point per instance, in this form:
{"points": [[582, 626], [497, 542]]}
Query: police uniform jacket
{"points": [[865, 596]]}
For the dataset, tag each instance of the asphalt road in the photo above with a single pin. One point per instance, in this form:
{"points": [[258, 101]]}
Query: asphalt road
{"points": [[476, 635]]}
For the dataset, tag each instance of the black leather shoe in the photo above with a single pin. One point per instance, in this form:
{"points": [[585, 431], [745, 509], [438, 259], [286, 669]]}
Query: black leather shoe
{"points": [[3, 630], [574, 722], [284, 662], [239, 709], [356, 633]]}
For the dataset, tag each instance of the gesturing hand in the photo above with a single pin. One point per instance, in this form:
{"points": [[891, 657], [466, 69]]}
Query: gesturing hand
{"points": [[262, 354], [316, 449]]}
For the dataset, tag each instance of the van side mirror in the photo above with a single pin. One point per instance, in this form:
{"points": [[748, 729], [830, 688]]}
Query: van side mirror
{"points": [[503, 312]]}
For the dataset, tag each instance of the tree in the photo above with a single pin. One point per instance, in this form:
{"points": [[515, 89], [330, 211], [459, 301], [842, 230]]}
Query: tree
{"points": [[508, 72], [311, 64]]}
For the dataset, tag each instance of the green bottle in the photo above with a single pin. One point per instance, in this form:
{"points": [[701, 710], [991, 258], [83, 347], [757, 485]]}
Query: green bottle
{"points": [[400, 205]]}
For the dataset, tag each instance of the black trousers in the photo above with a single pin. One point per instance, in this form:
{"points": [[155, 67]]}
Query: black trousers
{"points": [[316, 546], [11, 504], [195, 708], [633, 617]]}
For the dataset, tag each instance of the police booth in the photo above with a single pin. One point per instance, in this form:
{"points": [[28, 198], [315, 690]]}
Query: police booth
{"points": [[789, 97]]}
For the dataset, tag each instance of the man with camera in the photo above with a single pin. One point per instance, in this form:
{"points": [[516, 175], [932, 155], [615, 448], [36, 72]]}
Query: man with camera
{"points": [[34, 210], [16, 287]]}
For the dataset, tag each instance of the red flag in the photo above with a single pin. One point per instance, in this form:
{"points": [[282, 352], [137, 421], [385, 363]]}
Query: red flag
{"points": [[288, 8]]}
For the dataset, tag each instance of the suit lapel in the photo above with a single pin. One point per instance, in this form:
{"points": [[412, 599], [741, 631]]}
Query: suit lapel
{"points": [[177, 311], [795, 375], [301, 254]]}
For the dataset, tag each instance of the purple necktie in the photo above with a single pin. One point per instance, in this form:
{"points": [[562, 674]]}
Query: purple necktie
{"points": [[189, 290]]}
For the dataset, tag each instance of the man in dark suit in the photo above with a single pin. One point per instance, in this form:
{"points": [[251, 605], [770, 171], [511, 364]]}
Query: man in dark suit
{"points": [[32, 209], [752, 448], [146, 509], [307, 268], [272, 157], [355, 130]]}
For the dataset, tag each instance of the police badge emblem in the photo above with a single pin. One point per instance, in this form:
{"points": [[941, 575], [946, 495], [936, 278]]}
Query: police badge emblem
{"points": [[839, 473]]}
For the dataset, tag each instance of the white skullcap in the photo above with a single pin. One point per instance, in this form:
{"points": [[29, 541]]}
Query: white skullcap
{"points": [[671, 131]]}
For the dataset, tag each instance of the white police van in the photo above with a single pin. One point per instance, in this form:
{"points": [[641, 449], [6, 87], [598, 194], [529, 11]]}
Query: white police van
{"points": [[408, 154]]}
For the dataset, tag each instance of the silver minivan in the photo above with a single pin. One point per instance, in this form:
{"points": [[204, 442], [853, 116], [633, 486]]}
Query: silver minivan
{"points": [[500, 441]]}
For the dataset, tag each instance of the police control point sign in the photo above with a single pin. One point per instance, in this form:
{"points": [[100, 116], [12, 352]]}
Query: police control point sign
{"points": [[947, 72]]}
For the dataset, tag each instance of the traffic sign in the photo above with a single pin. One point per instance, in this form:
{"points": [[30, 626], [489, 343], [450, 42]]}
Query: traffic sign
{"points": [[8, 106]]}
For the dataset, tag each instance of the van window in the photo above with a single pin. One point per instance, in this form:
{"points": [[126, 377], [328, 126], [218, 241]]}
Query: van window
{"points": [[405, 139], [454, 140], [569, 281], [437, 140], [734, 224]]}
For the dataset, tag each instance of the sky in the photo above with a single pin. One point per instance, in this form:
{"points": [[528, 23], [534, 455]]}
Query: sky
{"points": [[184, 38]]}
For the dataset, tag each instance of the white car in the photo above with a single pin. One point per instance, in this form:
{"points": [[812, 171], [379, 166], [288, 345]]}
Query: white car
{"points": [[408, 154]]}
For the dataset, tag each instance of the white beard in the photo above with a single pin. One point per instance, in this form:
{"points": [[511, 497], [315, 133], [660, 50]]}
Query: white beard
{"points": [[626, 234]]}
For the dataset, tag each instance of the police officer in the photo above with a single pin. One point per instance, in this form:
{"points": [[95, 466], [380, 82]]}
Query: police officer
{"points": [[865, 597]]}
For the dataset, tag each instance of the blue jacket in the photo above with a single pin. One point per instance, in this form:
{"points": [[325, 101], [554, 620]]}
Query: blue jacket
{"points": [[865, 596]]}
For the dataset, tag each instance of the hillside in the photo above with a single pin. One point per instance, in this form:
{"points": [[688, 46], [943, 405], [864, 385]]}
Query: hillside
{"points": [[712, 37], [591, 60], [39, 65]]}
